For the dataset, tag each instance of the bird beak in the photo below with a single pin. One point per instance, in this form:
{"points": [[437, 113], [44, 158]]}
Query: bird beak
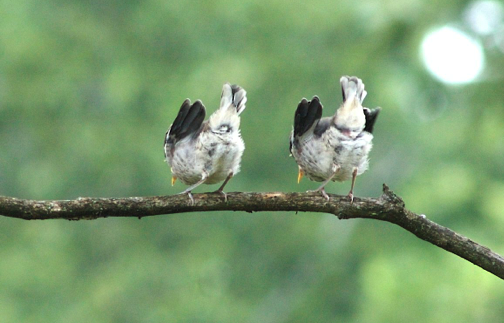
{"points": [[173, 180], [300, 175]]}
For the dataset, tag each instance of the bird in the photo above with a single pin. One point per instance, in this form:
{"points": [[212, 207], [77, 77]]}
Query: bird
{"points": [[334, 148], [206, 152]]}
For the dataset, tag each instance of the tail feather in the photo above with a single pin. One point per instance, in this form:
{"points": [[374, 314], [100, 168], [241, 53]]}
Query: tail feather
{"points": [[350, 118], [352, 86], [233, 95], [226, 119]]}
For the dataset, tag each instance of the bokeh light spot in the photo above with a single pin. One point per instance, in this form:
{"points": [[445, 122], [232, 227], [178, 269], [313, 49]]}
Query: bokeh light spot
{"points": [[452, 56], [484, 17]]}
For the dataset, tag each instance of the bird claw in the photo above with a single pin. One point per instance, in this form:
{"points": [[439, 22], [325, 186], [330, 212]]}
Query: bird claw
{"points": [[191, 198], [189, 194], [350, 195], [322, 192], [223, 193]]}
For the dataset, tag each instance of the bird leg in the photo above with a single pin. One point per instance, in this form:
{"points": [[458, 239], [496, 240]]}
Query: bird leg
{"points": [[221, 189], [321, 189], [354, 176], [204, 176]]}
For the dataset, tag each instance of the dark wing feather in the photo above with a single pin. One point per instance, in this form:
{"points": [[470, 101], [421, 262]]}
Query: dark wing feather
{"points": [[188, 121], [322, 126], [307, 114], [371, 116]]}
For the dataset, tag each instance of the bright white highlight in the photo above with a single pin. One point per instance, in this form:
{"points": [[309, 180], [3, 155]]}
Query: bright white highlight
{"points": [[452, 56], [485, 17]]}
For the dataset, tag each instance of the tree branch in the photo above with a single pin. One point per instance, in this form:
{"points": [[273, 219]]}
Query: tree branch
{"points": [[388, 207]]}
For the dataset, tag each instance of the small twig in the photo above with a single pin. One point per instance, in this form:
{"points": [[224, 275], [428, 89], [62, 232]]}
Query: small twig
{"points": [[388, 207]]}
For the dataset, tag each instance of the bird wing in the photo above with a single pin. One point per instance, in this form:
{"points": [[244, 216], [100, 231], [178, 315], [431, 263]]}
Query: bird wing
{"points": [[371, 116], [187, 122], [307, 114]]}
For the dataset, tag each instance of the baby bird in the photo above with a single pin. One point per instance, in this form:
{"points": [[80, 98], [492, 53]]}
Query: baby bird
{"points": [[206, 152], [334, 148]]}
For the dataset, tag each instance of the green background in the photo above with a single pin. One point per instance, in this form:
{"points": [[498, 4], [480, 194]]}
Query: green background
{"points": [[88, 89]]}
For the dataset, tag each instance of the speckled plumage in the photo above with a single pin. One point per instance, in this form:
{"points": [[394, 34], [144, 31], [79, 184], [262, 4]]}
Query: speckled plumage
{"points": [[334, 148], [207, 152]]}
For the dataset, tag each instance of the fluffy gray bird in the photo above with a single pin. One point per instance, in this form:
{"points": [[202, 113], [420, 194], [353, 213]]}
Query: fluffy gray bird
{"points": [[334, 148], [206, 152]]}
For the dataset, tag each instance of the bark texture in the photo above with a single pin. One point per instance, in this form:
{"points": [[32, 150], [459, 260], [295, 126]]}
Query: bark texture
{"points": [[388, 207]]}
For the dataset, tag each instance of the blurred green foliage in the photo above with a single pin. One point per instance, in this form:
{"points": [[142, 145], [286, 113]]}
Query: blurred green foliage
{"points": [[88, 89]]}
